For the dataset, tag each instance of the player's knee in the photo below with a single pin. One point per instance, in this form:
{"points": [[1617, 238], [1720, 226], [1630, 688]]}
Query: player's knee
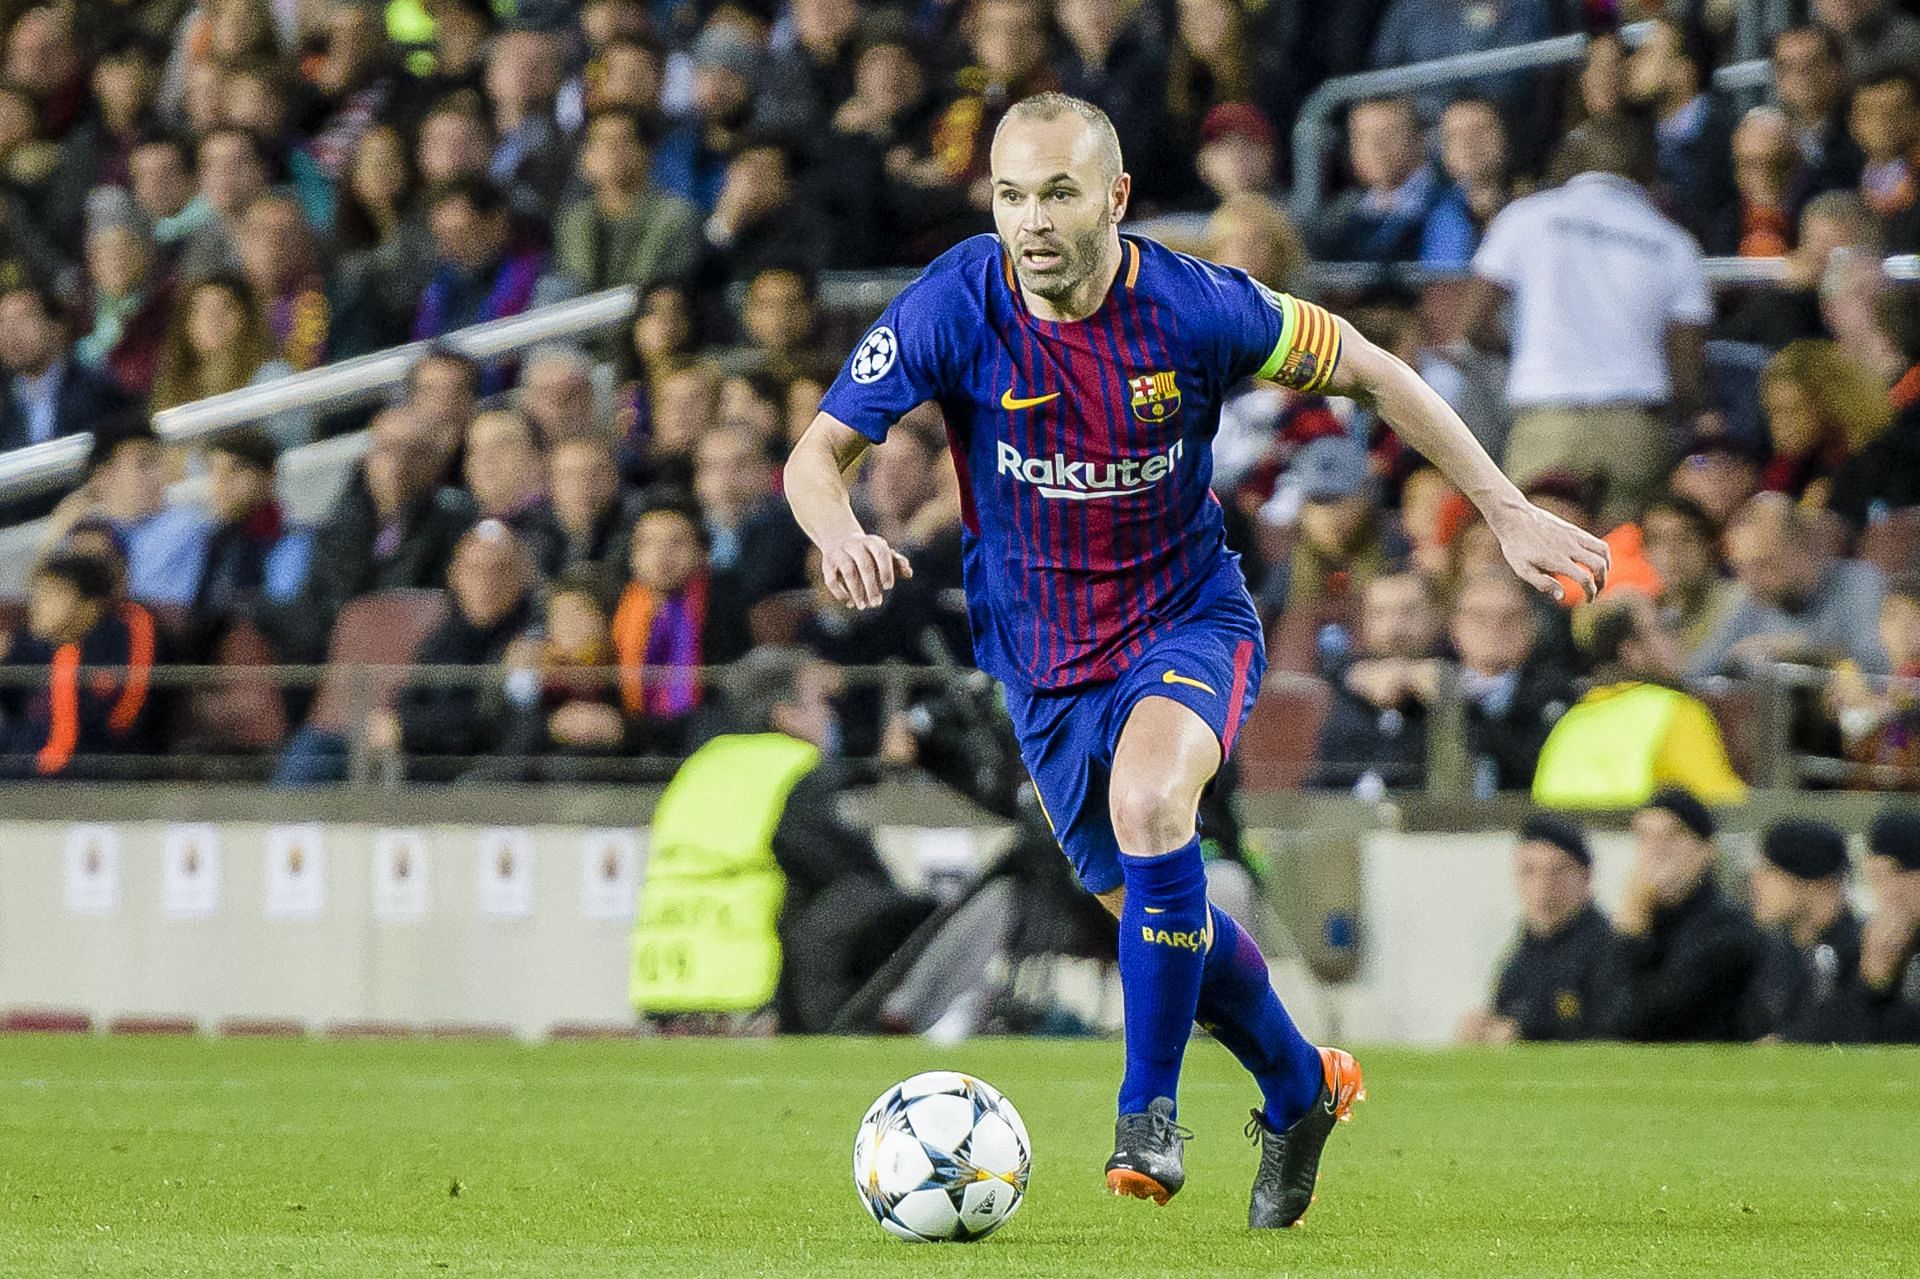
{"points": [[1150, 816]]}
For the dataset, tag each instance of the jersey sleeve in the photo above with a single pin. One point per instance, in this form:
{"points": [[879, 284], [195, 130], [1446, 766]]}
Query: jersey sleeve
{"points": [[904, 360], [1273, 336]]}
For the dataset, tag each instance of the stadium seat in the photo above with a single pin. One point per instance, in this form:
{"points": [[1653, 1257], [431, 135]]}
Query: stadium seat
{"points": [[243, 712], [1741, 713], [1276, 743], [386, 629], [1893, 544]]}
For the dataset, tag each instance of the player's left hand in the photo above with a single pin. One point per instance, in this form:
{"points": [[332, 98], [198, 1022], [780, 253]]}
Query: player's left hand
{"points": [[1540, 547]]}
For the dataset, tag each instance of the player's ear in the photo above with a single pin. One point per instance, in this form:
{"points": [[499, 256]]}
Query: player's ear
{"points": [[1118, 197]]}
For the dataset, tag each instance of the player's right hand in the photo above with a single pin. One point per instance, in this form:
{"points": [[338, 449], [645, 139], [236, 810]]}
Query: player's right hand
{"points": [[861, 570]]}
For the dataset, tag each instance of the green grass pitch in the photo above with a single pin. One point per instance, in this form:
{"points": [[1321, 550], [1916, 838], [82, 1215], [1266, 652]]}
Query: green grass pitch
{"points": [[184, 1157]]}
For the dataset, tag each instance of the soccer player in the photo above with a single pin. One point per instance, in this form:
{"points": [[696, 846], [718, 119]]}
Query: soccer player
{"points": [[1080, 373]]}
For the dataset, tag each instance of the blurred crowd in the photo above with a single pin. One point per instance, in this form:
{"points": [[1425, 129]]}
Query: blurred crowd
{"points": [[200, 197], [1686, 956]]}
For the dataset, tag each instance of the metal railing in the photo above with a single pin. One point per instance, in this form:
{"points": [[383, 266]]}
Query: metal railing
{"points": [[1314, 131], [1762, 734], [40, 467]]}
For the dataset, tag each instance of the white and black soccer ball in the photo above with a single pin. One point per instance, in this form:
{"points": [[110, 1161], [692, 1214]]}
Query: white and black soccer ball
{"points": [[942, 1158]]}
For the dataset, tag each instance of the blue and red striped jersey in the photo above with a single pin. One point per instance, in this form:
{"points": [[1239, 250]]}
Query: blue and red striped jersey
{"points": [[1083, 448]]}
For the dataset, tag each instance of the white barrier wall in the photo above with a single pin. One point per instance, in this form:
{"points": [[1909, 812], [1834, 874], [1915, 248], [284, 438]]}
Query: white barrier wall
{"points": [[524, 928]]}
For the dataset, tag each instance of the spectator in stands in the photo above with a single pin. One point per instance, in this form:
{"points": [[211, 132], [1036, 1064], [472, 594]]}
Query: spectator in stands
{"points": [[1255, 234], [1346, 538], [1682, 954], [1796, 602], [592, 512], [1717, 473], [1885, 121], [1514, 691], [249, 555], [1874, 34], [63, 727], [1694, 597], [1609, 311], [1237, 153], [49, 393], [1881, 727], [1635, 731], [1473, 155], [130, 300], [395, 526], [778, 319], [754, 547], [573, 708], [1834, 226], [627, 72], [1115, 56], [443, 394], [1759, 223], [461, 29], [1375, 733], [386, 251], [803, 84], [1806, 988], [661, 624], [1009, 48], [160, 173], [486, 269], [759, 221], [530, 157], [1810, 80], [125, 84], [506, 472], [1422, 30], [1890, 940], [490, 583], [685, 404], [557, 393], [354, 76], [1547, 988], [1399, 212], [377, 192], [233, 173], [625, 231], [869, 180], [692, 159], [280, 258], [1670, 75], [218, 342], [126, 485], [1821, 409], [1885, 475]]}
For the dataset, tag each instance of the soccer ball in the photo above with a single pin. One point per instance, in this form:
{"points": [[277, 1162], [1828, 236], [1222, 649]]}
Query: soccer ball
{"points": [[941, 1158]]}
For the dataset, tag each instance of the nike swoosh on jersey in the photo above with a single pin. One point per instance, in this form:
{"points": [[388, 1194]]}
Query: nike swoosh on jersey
{"points": [[1010, 402], [1168, 677]]}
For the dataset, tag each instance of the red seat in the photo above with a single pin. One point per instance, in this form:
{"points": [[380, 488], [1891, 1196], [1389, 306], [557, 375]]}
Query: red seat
{"points": [[243, 713], [1893, 544], [386, 629], [1276, 742]]}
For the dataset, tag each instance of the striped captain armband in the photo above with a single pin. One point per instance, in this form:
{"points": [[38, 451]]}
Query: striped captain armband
{"points": [[1308, 349]]}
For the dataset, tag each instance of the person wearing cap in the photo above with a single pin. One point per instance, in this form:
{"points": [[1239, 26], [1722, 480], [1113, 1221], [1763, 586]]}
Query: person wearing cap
{"points": [[1682, 954], [1237, 152], [1547, 987], [1344, 541], [1636, 729], [1890, 939], [1807, 987]]}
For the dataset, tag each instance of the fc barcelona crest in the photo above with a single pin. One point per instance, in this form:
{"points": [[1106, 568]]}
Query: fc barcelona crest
{"points": [[1155, 397]]}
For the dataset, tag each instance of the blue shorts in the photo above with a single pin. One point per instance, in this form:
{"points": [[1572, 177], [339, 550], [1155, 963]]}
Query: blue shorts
{"points": [[1211, 663]]}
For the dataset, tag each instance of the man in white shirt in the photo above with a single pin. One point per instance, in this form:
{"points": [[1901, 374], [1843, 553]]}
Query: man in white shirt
{"points": [[1609, 315]]}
